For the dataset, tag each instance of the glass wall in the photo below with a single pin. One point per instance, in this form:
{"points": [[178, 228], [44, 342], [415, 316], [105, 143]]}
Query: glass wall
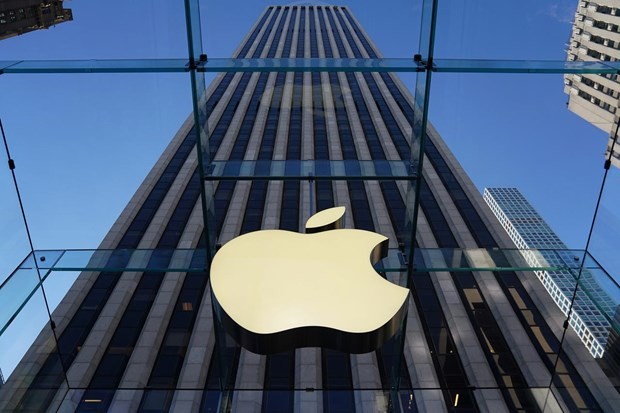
{"points": [[89, 106]]}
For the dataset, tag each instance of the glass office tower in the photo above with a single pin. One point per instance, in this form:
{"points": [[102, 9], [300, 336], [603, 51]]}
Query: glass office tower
{"points": [[146, 341]]}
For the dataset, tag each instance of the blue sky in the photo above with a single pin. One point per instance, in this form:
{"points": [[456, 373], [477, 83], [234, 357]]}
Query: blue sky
{"points": [[83, 143]]}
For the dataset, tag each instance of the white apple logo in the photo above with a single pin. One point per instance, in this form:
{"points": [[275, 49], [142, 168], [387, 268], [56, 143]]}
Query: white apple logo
{"points": [[276, 290]]}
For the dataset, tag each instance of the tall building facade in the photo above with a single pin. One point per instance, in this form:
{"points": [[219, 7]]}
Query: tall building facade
{"points": [[144, 341], [529, 230], [22, 16], [596, 37]]}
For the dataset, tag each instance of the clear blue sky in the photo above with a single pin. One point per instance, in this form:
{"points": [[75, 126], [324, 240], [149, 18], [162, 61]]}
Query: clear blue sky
{"points": [[83, 143]]}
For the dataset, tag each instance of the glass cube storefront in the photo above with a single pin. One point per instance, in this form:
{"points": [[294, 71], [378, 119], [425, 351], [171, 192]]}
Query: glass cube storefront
{"points": [[307, 114]]}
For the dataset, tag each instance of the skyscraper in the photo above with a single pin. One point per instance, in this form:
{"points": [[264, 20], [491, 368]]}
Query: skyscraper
{"points": [[595, 36], [144, 341], [23, 16], [529, 230]]}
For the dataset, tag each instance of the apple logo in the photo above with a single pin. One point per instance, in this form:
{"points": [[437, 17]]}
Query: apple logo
{"points": [[276, 290]]}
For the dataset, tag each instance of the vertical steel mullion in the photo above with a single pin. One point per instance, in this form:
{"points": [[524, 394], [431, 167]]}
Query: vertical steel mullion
{"points": [[426, 48], [199, 100], [194, 45]]}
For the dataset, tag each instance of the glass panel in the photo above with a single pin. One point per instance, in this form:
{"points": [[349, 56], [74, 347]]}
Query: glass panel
{"points": [[98, 66], [505, 31], [119, 127], [201, 116], [14, 245], [15, 293], [224, 65], [30, 334], [427, 259], [473, 111], [382, 24], [428, 29], [154, 30], [6, 63], [523, 66], [193, 28], [56, 285], [605, 234], [201, 121], [131, 260], [594, 324], [418, 118], [84, 144], [310, 64], [317, 169]]}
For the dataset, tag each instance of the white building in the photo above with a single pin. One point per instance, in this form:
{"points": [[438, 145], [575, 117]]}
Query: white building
{"points": [[596, 37]]}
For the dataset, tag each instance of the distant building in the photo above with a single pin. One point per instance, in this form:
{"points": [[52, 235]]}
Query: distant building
{"points": [[23, 16], [595, 37], [529, 230]]}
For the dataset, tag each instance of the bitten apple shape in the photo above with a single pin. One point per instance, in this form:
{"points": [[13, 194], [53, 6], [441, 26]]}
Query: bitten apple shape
{"points": [[276, 290]]}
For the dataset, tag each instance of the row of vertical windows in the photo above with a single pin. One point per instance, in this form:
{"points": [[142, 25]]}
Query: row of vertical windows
{"points": [[271, 125], [324, 190], [113, 362], [255, 204], [450, 370], [73, 337], [279, 376], [484, 238], [279, 383], [362, 215], [475, 224], [335, 365], [488, 332], [228, 356], [455, 377], [168, 239], [171, 356], [448, 365], [248, 44], [483, 327], [170, 359], [224, 364], [289, 208], [219, 132]]}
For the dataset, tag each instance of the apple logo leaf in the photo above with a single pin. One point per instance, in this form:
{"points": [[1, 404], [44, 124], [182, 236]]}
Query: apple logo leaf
{"points": [[276, 290], [331, 218]]}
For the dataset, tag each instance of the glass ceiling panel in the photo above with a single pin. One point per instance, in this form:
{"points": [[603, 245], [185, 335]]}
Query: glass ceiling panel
{"points": [[101, 30], [604, 241], [81, 145], [510, 130], [311, 169], [488, 29], [523, 66], [14, 241], [427, 259], [225, 27], [97, 66], [217, 65], [59, 269]]}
